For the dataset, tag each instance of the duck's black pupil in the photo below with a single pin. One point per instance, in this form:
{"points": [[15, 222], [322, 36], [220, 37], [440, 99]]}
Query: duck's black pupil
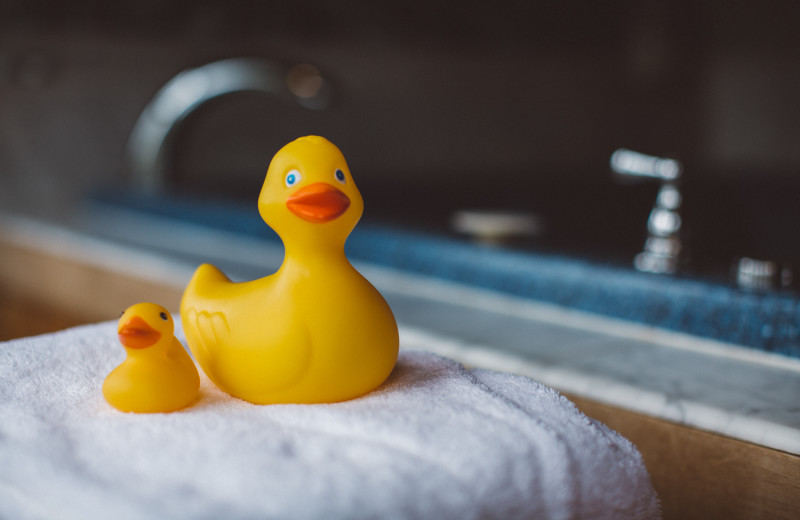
{"points": [[163, 316], [340, 175]]}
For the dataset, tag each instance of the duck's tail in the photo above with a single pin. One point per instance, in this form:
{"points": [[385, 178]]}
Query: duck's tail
{"points": [[206, 276]]}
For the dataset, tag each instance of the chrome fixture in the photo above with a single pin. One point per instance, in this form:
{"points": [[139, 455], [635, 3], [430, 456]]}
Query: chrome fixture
{"points": [[762, 275], [663, 245], [497, 227], [149, 145], [628, 162]]}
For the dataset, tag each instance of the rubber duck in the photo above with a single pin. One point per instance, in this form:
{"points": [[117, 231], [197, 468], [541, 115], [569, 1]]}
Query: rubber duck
{"points": [[315, 331], [157, 375]]}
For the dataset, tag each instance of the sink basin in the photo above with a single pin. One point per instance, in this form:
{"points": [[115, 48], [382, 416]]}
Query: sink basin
{"points": [[701, 307]]}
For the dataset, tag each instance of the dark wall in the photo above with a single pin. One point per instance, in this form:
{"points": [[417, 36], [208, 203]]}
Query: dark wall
{"points": [[529, 93]]}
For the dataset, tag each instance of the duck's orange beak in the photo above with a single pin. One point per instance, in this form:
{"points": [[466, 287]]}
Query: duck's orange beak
{"points": [[136, 333], [318, 202]]}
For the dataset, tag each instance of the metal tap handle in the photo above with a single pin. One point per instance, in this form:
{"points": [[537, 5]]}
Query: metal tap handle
{"points": [[663, 245], [634, 164]]}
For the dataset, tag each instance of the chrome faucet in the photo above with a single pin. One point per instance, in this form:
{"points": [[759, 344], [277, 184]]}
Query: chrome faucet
{"points": [[662, 248], [150, 143]]}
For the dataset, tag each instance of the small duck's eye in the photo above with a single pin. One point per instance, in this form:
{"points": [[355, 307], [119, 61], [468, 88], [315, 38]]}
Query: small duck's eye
{"points": [[163, 316], [121, 313], [339, 175], [292, 178]]}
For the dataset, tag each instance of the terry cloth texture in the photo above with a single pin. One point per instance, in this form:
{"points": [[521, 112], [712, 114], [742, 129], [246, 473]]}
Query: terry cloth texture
{"points": [[435, 441]]}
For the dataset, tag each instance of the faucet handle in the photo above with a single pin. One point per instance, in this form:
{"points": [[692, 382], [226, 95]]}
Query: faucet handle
{"points": [[634, 164], [663, 245]]}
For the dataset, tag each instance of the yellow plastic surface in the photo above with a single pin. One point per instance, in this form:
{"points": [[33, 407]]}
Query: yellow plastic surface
{"points": [[315, 331], [158, 375]]}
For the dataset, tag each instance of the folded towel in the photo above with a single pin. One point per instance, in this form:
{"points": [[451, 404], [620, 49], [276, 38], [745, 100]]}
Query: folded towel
{"points": [[435, 441]]}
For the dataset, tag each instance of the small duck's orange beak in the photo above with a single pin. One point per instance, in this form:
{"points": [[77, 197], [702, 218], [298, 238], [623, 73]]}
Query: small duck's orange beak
{"points": [[318, 202], [136, 333]]}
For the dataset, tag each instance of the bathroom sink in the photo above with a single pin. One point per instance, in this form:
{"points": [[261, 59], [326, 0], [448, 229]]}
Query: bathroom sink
{"points": [[701, 306]]}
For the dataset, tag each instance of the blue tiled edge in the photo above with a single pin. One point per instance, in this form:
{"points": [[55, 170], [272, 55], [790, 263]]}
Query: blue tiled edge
{"points": [[765, 321]]}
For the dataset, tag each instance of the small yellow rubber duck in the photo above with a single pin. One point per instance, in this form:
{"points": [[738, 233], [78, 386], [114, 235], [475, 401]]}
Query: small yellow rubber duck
{"points": [[158, 375], [315, 331]]}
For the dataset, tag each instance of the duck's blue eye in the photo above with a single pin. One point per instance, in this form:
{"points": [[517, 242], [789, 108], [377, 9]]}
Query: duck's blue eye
{"points": [[339, 175], [292, 178]]}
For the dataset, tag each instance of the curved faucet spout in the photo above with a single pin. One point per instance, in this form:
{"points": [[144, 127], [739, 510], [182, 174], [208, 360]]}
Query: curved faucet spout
{"points": [[150, 143]]}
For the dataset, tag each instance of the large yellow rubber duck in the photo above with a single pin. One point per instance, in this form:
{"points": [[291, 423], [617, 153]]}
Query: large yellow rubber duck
{"points": [[157, 375], [315, 331]]}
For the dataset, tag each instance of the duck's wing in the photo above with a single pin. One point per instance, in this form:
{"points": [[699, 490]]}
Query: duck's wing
{"points": [[204, 326], [207, 329]]}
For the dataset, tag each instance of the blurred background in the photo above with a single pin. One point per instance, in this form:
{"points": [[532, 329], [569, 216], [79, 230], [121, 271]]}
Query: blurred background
{"points": [[510, 106], [492, 121]]}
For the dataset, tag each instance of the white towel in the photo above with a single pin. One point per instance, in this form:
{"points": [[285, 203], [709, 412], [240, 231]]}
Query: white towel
{"points": [[435, 441]]}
